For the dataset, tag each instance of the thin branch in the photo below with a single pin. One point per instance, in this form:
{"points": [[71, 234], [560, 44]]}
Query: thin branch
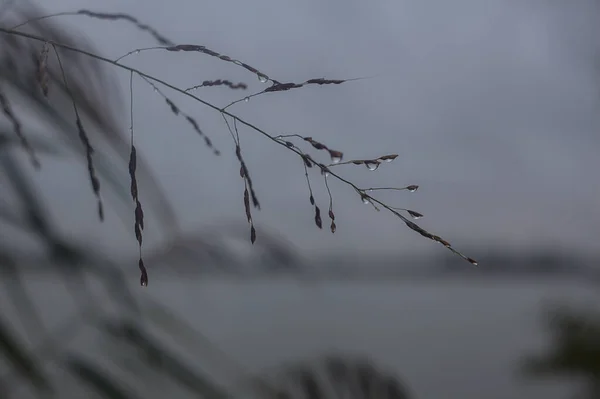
{"points": [[138, 212], [89, 150], [262, 77], [305, 157], [219, 82], [17, 128], [279, 87]]}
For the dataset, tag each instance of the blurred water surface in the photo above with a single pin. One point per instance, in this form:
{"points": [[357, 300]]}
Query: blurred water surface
{"points": [[445, 338]]}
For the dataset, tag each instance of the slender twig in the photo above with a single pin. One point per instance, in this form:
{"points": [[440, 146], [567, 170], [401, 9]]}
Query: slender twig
{"points": [[279, 87], [411, 188], [305, 157], [89, 150], [37, 19], [138, 212]]}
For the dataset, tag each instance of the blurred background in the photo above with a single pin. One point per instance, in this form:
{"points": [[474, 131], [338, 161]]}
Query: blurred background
{"points": [[492, 107]]}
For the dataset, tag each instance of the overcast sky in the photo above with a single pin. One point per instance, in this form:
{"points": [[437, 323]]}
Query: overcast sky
{"points": [[493, 107]]}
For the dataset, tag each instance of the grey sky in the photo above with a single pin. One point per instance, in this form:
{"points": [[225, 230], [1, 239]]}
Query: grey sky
{"points": [[492, 106]]}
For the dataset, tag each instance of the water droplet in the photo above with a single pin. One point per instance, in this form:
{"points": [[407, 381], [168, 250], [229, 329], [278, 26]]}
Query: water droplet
{"points": [[137, 51], [388, 158], [336, 156], [246, 99], [412, 188], [372, 165], [365, 200], [414, 215], [155, 89], [262, 78]]}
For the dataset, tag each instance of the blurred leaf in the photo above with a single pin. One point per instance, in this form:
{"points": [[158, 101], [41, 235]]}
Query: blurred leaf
{"points": [[22, 302], [17, 355], [334, 375], [95, 92], [40, 145], [35, 212], [160, 358], [574, 351], [97, 380]]}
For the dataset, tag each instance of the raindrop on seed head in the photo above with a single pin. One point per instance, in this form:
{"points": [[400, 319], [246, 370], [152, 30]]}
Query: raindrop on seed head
{"points": [[414, 215], [262, 78], [412, 188], [246, 99], [336, 156], [372, 165]]}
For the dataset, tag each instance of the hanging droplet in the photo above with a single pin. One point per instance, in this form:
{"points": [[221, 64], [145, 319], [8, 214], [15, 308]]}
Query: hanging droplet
{"points": [[412, 188], [143, 273], [372, 165], [155, 89], [137, 51], [414, 215], [365, 200], [333, 227], [388, 158], [336, 156], [262, 78], [246, 99]]}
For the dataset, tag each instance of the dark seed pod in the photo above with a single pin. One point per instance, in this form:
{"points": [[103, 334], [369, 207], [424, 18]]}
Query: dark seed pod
{"points": [[144, 273], [318, 220]]}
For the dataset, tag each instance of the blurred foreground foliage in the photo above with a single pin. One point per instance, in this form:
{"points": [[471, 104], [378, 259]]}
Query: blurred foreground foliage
{"points": [[574, 351], [117, 346]]}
